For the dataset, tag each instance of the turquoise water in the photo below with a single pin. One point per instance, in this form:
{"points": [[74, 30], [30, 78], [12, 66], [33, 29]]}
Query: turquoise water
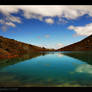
{"points": [[49, 69]]}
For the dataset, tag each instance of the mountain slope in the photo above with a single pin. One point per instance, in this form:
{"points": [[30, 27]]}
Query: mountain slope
{"points": [[11, 48], [83, 45]]}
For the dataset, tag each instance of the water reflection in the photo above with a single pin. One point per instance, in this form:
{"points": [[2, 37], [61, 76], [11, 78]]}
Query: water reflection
{"points": [[84, 68], [7, 62], [81, 55], [60, 55], [47, 69]]}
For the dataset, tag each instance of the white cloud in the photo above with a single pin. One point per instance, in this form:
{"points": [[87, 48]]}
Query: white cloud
{"points": [[49, 20], [67, 11], [13, 19], [9, 21], [62, 21], [82, 30], [59, 45], [7, 9], [52, 46], [2, 21], [41, 11], [10, 24], [55, 46]]}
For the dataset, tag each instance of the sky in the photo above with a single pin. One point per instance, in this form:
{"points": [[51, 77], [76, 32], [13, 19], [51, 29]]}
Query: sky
{"points": [[50, 26]]}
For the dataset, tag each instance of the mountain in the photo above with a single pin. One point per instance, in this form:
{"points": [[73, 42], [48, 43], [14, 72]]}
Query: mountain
{"points": [[83, 45], [10, 48]]}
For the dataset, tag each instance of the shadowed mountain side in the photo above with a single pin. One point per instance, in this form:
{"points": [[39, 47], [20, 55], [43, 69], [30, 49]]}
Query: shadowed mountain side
{"points": [[7, 62], [84, 45], [83, 56], [10, 48]]}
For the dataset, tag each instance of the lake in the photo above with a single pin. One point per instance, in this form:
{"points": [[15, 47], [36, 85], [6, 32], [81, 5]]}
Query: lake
{"points": [[50, 69]]}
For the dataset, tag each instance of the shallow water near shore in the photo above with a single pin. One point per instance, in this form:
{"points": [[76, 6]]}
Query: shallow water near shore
{"points": [[56, 69]]}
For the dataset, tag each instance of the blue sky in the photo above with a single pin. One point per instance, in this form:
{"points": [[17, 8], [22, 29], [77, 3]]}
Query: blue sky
{"points": [[44, 30]]}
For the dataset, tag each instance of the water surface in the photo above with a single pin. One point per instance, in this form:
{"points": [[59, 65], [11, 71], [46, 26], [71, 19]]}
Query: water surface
{"points": [[48, 69]]}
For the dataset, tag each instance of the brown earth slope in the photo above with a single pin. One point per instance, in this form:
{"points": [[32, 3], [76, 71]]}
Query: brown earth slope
{"points": [[10, 48], [83, 45]]}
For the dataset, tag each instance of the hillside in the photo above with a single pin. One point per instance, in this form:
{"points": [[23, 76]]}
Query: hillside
{"points": [[83, 45], [10, 48]]}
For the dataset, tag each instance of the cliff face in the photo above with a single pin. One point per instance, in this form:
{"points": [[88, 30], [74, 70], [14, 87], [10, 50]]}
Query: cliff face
{"points": [[83, 45], [11, 48]]}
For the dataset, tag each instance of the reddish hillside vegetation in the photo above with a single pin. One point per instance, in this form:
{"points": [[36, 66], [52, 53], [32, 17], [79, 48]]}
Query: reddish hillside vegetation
{"points": [[84, 45], [10, 48]]}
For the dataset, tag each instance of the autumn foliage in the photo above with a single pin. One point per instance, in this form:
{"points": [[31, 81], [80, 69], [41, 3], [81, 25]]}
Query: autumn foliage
{"points": [[10, 48]]}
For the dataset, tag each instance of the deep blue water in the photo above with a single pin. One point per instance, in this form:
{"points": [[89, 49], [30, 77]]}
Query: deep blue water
{"points": [[53, 68]]}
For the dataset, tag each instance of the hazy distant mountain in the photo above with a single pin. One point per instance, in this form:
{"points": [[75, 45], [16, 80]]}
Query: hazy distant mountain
{"points": [[12, 48], [83, 45]]}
